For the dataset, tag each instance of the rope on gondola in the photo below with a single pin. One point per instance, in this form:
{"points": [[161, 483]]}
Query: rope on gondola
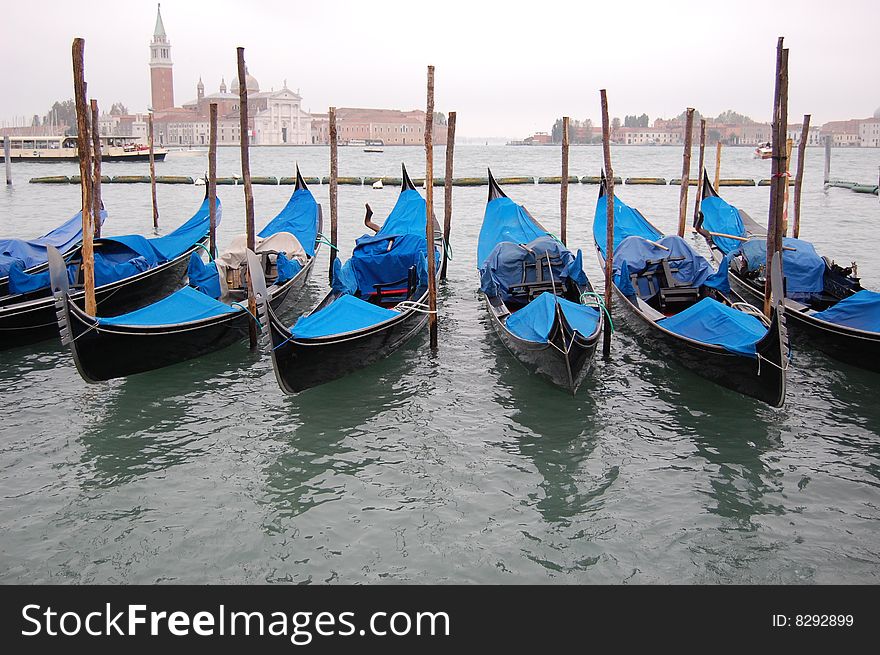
{"points": [[240, 306], [85, 332], [411, 305], [447, 249], [322, 239], [601, 304], [207, 250]]}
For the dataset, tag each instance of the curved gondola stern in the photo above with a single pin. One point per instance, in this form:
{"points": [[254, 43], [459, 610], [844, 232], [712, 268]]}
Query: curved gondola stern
{"points": [[61, 294], [495, 191], [300, 182], [709, 190], [406, 183]]}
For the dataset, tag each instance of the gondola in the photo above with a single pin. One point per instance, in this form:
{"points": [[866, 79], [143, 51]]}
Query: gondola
{"points": [[130, 272], [23, 258], [377, 302], [673, 298], [202, 317], [541, 304], [825, 303]]}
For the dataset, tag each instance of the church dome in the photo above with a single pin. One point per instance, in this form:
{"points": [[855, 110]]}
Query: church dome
{"points": [[250, 81], [877, 113]]}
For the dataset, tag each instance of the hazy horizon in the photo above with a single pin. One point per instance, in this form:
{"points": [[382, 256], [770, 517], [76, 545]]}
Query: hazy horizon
{"points": [[503, 67]]}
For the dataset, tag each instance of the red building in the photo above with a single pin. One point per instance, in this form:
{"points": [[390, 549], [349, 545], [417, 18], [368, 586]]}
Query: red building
{"points": [[161, 80]]}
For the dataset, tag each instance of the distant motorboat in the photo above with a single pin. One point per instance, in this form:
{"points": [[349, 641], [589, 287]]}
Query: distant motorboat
{"points": [[373, 149], [764, 151]]}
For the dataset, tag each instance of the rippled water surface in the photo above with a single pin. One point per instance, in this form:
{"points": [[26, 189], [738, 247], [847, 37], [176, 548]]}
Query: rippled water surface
{"points": [[454, 467]]}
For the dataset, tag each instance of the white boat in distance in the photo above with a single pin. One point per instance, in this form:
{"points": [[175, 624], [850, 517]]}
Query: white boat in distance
{"points": [[63, 148]]}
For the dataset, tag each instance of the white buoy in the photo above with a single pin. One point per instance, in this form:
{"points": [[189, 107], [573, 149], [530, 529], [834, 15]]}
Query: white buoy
{"points": [[378, 184], [200, 181]]}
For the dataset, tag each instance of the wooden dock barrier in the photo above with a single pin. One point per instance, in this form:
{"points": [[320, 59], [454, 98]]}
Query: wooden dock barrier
{"points": [[646, 180], [51, 179], [552, 179]]}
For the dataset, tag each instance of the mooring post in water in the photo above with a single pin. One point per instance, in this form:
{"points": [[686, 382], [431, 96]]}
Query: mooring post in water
{"points": [[334, 175], [609, 222], [212, 178], [717, 165], [7, 157], [248, 188], [563, 187], [84, 149], [447, 191], [700, 174], [96, 168], [685, 171], [828, 138], [778, 181], [152, 169], [788, 146], [799, 180], [429, 209]]}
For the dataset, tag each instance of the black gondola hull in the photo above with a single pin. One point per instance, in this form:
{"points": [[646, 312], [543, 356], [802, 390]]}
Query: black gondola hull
{"points": [[121, 351], [564, 361], [854, 347], [34, 321], [306, 363]]}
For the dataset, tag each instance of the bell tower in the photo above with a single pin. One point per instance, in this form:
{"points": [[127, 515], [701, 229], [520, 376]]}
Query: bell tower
{"points": [[161, 79]]}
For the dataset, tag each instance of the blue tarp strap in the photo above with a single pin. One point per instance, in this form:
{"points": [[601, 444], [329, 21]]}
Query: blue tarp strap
{"points": [[240, 306], [600, 302]]}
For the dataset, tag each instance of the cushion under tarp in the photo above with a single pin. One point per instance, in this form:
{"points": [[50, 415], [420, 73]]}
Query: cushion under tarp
{"points": [[345, 314], [534, 321], [803, 268], [860, 311], [710, 321], [504, 220], [183, 306], [300, 218], [235, 255]]}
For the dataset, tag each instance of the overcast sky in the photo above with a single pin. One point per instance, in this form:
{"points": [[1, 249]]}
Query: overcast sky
{"points": [[507, 68]]}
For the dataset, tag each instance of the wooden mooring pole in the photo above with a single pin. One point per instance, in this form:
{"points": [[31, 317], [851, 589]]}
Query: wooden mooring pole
{"points": [[828, 158], [212, 178], [96, 168], [7, 158], [334, 175], [778, 181], [717, 165], [563, 187], [248, 187], [429, 209], [700, 172], [609, 223], [685, 171], [799, 180], [789, 144], [84, 148], [152, 170], [447, 190]]}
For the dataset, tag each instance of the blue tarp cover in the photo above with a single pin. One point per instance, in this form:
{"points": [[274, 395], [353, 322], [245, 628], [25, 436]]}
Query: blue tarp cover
{"points": [[803, 268], [300, 218], [182, 306], [710, 321], [22, 282], [534, 321], [504, 220], [345, 314], [627, 222], [287, 268], [503, 268], [860, 311], [719, 216], [632, 254], [203, 277], [408, 215], [33, 252]]}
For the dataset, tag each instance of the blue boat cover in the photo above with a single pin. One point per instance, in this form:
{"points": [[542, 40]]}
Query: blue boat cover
{"points": [[504, 267], [710, 321], [633, 253], [534, 321], [860, 311], [287, 268], [23, 282], [182, 306], [300, 218], [33, 252], [345, 314], [719, 216], [203, 277], [407, 217], [504, 220], [803, 268], [627, 222]]}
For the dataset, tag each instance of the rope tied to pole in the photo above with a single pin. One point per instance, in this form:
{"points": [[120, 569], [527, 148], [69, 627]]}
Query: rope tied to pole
{"points": [[323, 239], [207, 250], [600, 303]]}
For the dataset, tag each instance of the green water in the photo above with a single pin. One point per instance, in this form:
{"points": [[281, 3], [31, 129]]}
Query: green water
{"points": [[454, 467]]}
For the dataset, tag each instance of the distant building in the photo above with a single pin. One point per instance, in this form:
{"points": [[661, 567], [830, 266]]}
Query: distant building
{"points": [[538, 138], [814, 136], [843, 133], [391, 126], [636, 136]]}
